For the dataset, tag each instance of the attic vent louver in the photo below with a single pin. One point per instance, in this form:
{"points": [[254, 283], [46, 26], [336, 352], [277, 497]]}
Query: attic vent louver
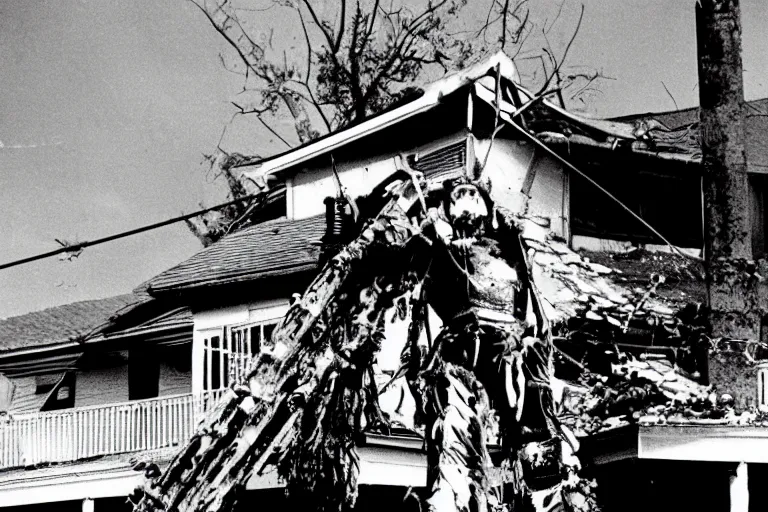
{"points": [[441, 163]]}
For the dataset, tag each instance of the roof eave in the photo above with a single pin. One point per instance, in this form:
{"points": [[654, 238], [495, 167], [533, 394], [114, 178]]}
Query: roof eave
{"points": [[244, 278], [20, 352], [553, 139], [431, 98]]}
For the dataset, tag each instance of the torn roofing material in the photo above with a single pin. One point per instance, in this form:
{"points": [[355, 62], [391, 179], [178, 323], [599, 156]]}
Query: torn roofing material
{"points": [[672, 135], [555, 125], [274, 248], [573, 287], [61, 324]]}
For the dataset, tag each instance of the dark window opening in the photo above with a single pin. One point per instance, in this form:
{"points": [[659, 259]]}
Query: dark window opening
{"points": [[671, 204], [45, 383], [215, 369], [62, 394], [143, 373]]}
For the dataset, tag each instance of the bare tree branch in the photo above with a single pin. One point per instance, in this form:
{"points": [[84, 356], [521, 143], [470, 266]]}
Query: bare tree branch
{"points": [[273, 131], [369, 30], [342, 17], [328, 36], [365, 56], [565, 53], [505, 12], [309, 73], [670, 95], [557, 17]]}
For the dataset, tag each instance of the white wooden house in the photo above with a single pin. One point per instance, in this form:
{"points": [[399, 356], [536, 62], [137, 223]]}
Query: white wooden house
{"points": [[144, 377], [89, 390]]}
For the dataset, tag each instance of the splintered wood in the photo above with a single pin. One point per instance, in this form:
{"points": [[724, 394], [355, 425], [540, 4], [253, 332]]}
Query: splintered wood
{"points": [[252, 425]]}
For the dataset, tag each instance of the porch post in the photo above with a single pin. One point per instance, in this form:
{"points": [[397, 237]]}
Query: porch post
{"points": [[87, 505], [739, 489], [198, 353]]}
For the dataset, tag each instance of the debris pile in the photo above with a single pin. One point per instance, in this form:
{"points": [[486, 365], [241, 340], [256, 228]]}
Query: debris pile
{"points": [[632, 344], [575, 288], [648, 393], [635, 391]]}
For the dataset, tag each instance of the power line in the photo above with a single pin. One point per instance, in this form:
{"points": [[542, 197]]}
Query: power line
{"points": [[568, 164], [82, 245]]}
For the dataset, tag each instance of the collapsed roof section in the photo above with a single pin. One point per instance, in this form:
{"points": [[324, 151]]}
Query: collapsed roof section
{"points": [[677, 131]]}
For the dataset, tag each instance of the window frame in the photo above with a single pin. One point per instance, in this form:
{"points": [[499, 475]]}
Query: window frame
{"points": [[226, 361]]}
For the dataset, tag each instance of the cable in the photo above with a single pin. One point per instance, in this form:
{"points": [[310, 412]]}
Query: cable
{"points": [[83, 245], [149, 227], [600, 187]]}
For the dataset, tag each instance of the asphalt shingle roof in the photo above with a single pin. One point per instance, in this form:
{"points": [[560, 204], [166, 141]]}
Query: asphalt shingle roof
{"points": [[59, 324], [274, 248]]}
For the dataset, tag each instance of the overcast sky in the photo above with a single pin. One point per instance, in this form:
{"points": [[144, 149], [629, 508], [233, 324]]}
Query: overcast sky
{"points": [[106, 108]]}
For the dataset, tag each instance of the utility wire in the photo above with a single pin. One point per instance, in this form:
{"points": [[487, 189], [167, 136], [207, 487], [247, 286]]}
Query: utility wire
{"points": [[82, 245], [599, 187]]}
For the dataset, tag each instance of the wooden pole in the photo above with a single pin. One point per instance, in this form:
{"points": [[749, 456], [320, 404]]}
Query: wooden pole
{"points": [[728, 244]]}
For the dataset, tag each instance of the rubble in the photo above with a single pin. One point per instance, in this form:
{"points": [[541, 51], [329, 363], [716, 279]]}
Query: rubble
{"points": [[632, 343], [648, 393]]}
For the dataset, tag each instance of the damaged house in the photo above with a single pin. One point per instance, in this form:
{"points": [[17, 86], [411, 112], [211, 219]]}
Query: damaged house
{"points": [[630, 366], [652, 163]]}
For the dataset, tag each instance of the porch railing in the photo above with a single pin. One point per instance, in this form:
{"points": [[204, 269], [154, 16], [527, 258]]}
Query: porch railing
{"points": [[73, 434]]}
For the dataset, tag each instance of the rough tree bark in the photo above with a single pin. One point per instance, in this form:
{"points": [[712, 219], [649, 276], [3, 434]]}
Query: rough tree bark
{"points": [[731, 283]]}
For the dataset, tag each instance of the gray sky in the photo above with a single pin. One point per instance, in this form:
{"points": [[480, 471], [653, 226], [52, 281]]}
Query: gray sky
{"points": [[107, 106]]}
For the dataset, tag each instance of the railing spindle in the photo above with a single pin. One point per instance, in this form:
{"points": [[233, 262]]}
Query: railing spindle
{"points": [[73, 434]]}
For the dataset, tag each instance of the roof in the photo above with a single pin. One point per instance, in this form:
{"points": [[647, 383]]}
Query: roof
{"points": [[677, 118], [572, 286], [169, 325], [59, 324], [433, 94], [556, 126], [274, 248], [683, 135], [174, 318]]}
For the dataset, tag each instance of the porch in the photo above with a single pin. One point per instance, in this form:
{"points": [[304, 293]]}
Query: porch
{"points": [[84, 432]]}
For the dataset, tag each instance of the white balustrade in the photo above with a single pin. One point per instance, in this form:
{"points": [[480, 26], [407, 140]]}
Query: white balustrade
{"points": [[80, 433]]}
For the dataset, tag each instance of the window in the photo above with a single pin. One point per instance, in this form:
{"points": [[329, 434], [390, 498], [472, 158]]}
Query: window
{"points": [[214, 365], [227, 357], [45, 383], [246, 343], [670, 202], [143, 372]]}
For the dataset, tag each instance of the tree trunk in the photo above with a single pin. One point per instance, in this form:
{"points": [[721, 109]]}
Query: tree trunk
{"points": [[731, 288]]}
